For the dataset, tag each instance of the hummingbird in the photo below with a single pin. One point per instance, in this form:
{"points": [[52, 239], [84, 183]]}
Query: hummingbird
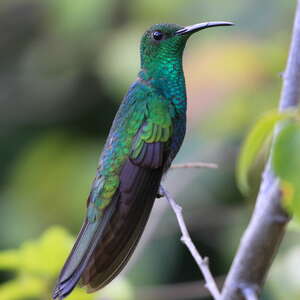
{"points": [[145, 136]]}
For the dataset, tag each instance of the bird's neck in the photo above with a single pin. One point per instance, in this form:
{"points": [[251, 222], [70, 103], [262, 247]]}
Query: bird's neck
{"points": [[167, 78]]}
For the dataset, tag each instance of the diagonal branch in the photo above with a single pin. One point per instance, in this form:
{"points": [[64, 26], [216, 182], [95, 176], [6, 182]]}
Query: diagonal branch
{"points": [[264, 233], [202, 263]]}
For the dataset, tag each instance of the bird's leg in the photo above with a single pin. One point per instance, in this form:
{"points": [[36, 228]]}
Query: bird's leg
{"points": [[160, 192]]}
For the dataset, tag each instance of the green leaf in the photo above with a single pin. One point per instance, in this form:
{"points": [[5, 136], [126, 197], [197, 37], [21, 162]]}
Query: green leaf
{"points": [[25, 287], [286, 165], [37, 264], [254, 143], [43, 256], [9, 260]]}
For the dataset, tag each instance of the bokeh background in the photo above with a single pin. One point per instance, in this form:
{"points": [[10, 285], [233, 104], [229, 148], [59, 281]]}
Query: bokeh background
{"points": [[64, 68]]}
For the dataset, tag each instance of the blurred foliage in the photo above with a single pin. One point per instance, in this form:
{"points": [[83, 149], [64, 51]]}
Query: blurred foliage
{"points": [[254, 143], [286, 163], [65, 66], [36, 265], [284, 157], [286, 265], [53, 179]]}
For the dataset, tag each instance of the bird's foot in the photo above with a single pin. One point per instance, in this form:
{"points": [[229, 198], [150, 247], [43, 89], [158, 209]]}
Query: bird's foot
{"points": [[160, 193]]}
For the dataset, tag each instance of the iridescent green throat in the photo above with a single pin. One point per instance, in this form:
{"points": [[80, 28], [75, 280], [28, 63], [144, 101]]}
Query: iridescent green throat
{"points": [[161, 68]]}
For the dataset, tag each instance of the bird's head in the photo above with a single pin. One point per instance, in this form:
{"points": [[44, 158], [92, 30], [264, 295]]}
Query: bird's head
{"points": [[165, 42]]}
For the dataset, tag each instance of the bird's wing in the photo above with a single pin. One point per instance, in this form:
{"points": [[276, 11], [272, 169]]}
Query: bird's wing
{"points": [[139, 182], [153, 139], [109, 236]]}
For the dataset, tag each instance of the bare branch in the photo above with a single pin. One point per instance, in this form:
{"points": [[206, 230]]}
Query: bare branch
{"points": [[264, 233], [177, 291], [202, 263], [250, 292], [195, 165]]}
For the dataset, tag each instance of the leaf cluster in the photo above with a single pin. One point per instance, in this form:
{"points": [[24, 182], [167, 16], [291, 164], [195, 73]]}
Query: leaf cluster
{"points": [[36, 265], [285, 158]]}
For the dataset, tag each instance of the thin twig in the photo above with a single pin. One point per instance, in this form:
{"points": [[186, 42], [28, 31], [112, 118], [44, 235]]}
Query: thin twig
{"points": [[202, 263], [250, 293], [195, 165], [264, 233], [177, 291]]}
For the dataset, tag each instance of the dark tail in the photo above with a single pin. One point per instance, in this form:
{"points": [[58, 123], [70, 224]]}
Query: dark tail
{"points": [[103, 249], [86, 242]]}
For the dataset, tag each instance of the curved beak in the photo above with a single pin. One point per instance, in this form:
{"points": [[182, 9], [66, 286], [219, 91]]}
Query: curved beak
{"points": [[200, 26]]}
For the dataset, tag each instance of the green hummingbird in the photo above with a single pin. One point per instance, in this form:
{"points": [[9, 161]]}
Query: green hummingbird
{"points": [[145, 137]]}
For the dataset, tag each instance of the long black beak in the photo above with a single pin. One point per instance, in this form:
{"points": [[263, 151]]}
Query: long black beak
{"points": [[200, 26]]}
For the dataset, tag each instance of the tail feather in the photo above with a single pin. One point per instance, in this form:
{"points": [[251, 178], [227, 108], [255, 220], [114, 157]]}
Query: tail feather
{"points": [[123, 232], [87, 240], [103, 248]]}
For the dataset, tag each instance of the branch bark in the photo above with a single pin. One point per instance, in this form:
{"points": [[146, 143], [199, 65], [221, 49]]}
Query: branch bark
{"points": [[264, 233]]}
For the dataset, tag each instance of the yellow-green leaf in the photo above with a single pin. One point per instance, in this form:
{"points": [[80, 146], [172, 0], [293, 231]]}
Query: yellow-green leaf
{"points": [[286, 165], [37, 264], [25, 287], [254, 143]]}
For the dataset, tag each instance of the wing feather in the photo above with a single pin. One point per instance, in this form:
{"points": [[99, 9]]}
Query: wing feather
{"points": [[120, 203], [126, 225]]}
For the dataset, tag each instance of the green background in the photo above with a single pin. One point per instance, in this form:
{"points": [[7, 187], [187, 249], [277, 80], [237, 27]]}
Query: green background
{"points": [[64, 68]]}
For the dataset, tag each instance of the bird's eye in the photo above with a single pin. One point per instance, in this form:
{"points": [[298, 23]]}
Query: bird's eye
{"points": [[157, 35]]}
